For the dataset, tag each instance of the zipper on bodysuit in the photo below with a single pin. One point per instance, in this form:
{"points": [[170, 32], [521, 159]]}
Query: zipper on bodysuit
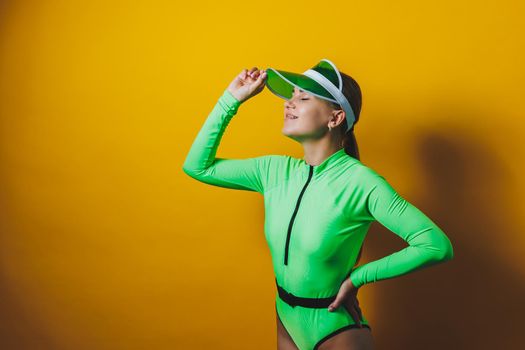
{"points": [[294, 214]]}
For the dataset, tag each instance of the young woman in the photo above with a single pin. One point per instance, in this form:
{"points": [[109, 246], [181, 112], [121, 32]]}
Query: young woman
{"points": [[318, 209]]}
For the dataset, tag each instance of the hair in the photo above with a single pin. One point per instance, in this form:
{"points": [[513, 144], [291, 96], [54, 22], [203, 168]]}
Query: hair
{"points": [[352, 92]]}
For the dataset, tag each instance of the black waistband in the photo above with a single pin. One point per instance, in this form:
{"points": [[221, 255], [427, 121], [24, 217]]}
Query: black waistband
{"points": [[293, 300]]}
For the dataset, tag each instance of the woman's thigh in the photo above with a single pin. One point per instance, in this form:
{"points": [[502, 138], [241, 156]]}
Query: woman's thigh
{"points": [[350, 339], [284, 341]]}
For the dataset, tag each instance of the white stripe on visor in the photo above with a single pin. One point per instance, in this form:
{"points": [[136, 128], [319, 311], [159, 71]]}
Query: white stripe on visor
{"points": [[335, 92]]}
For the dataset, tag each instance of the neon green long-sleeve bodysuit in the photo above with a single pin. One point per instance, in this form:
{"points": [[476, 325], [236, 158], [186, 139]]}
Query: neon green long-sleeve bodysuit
{"points": [[316, 218]]}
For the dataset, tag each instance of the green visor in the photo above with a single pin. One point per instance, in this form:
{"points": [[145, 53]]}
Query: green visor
{"points": [[323, 81]]}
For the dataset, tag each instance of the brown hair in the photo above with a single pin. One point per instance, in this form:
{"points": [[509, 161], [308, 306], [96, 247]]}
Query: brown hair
{"points": [[352, 92]]}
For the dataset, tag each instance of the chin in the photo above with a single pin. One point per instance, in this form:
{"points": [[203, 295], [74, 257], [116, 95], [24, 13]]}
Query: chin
{"points": [[287, 131], [292, 133]]}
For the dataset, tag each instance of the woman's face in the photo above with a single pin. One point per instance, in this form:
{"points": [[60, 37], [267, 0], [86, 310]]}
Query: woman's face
{"points": [[305, 116]]}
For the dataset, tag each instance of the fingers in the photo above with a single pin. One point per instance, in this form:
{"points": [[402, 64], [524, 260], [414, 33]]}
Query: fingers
{"points": [[352, 306], [253, 73], [261, 76], [338, 299], [355, 312], [336, 303], [245, 73], [256, 80], [358, 308]]}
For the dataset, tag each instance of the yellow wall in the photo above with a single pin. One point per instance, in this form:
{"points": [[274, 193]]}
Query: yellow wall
{"points": [[106, 244]]}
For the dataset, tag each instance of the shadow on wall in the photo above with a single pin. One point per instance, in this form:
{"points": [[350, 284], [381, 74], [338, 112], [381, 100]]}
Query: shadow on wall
{"points": [[18, 328], [474, 301], [5, 7]]}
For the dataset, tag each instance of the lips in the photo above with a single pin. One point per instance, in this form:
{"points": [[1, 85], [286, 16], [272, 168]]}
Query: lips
{"points": [[290, 116]]}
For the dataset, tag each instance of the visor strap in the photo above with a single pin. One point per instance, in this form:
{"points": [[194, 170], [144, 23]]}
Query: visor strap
{"points": [[335, 92]]}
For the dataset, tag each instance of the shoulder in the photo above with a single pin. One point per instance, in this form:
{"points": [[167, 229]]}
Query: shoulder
{"points": [[280, 161], [273, 166], [274, 169], [366, 175], [273, 160], [357, 167]]}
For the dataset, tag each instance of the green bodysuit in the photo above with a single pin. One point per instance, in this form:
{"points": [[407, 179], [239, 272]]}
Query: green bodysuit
{"points": [[316, 219]]}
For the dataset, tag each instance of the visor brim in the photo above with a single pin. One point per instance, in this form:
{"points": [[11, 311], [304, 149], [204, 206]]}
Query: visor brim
{"points": [[282, 84]]}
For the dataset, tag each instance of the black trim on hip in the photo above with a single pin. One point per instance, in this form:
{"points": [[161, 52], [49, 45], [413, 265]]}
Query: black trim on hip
{"points": [[337, 331]]}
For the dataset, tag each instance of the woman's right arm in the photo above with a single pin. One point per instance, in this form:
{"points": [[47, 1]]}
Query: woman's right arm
{"points": [[201, 163], [427, 243]]}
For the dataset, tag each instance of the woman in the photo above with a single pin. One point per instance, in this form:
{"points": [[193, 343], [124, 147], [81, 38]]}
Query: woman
{"points": [[317, 209]]}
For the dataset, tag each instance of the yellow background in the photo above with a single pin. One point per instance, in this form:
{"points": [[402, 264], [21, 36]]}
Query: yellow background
{"points": [[106, 244]]}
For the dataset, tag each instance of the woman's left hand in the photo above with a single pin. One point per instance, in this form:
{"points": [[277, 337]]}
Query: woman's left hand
{"points": [[347, 296]]}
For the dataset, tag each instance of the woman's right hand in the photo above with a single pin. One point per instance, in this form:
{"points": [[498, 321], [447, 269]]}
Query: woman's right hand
{"points": [[247, 84], [347, 297]]}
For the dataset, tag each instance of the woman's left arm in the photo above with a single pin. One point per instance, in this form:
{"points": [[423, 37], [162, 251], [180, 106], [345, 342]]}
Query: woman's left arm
{"points": [[428, 244]]}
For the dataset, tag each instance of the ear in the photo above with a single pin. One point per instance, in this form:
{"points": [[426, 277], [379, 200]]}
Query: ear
{"points": [[338, 116]]}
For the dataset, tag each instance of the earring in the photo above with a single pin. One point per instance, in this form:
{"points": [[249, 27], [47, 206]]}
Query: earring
{"points": [[329, 128]]}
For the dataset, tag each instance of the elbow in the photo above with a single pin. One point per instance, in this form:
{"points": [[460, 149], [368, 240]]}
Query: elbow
{"points": [[187, 170], [449, 253], [191, 172], [448, 250], [445, 255], [189, 167], [194, 172], [443, 252]]}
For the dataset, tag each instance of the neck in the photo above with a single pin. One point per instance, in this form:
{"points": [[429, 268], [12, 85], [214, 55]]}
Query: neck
{"points": [[315, 152]]}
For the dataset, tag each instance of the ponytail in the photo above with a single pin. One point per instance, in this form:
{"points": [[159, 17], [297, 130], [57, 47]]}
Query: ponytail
{"points": [[350, 144], [352, 92]]}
